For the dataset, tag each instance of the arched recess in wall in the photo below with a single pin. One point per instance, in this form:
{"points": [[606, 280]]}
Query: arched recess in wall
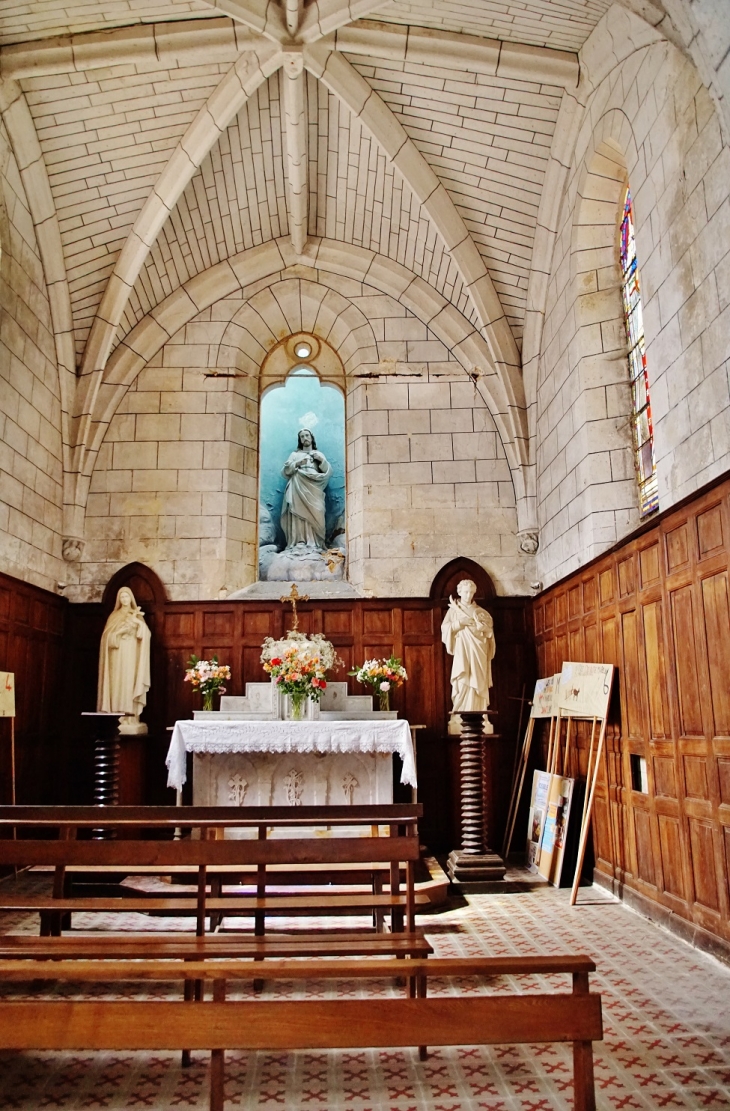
{"points": [[450, 575], [602, 446], [302, 504], [258, 344], [150, 596]]}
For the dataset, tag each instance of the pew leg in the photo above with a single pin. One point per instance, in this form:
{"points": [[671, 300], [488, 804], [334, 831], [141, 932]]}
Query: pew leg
{"points": [[583, 1082], [216, 916], [188, 996], [217, 1058], [378, 912], [421, 989]]}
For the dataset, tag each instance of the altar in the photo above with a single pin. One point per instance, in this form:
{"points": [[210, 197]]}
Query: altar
{"points": [[245, 755]]}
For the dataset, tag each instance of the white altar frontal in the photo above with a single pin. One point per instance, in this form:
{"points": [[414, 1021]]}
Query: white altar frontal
{"points": [[246, 755]]}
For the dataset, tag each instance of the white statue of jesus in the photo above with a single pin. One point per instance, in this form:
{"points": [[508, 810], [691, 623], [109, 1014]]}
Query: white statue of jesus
{"points": [[467, 631], [124, 663], [303, 508]]}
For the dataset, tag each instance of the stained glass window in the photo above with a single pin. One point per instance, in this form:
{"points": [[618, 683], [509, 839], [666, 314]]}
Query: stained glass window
{"points": [[643, 431]]}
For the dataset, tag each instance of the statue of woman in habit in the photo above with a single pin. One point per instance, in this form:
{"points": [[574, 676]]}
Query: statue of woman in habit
{"points": [[467, 631], [124, 663], [302, 510]]}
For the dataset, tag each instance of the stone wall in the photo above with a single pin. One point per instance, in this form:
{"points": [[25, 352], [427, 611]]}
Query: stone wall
{"points": [[648, 120], [30, 411], [429, 482], [175, 482]]}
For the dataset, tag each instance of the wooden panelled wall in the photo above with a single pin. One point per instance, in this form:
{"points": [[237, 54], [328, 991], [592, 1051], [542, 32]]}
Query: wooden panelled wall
{"points": [[359, 629], [31, 646], [659, 609]]}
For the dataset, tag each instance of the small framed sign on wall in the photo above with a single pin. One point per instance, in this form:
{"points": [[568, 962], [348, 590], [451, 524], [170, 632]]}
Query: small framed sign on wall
{"points": [[7, 694], [7, 710]]}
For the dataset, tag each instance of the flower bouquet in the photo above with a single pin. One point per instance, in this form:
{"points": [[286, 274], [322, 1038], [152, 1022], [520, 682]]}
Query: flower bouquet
{"points": [[381, 675], [298, 667], [207, 676]]}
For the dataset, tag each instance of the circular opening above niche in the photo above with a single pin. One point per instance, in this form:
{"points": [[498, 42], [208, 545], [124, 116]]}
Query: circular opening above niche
{"points": [[302, 346], [302, 349]]}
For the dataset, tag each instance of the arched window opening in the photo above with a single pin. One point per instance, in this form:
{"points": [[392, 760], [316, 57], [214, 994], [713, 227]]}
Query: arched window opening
{"points": [[302, 531], [643, 431]]}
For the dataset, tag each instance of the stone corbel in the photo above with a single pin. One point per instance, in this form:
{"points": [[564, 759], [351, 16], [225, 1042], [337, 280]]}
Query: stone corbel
{"points": [[73, 548], [529, 541]]}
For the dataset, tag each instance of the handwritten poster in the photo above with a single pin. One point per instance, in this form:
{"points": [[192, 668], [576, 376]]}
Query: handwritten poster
{"points": [[584, 690], [544, 700], [7, 694]]}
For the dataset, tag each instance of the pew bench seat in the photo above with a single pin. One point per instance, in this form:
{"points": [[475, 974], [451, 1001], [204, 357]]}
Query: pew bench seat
{"points": [[506, 1018]]}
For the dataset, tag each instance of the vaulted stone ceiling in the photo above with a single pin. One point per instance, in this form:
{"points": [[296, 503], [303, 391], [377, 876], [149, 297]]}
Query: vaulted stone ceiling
{"points": [[159, 140]]}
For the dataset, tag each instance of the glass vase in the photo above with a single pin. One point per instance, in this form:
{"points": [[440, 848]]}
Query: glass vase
{"points": [[297, 702], [383, 700], [208, 700]]}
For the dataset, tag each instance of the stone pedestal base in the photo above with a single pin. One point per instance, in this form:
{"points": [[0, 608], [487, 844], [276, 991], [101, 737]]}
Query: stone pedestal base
{"points": [[475, 868]]}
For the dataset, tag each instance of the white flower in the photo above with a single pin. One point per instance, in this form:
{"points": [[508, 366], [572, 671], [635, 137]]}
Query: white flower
{"points": [[385, 686]]}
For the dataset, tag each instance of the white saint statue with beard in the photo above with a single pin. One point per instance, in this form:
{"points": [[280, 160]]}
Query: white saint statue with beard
{"points": [[303, 507]]}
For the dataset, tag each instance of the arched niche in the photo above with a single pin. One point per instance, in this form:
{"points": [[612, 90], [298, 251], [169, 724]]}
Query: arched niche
{"points": [[302, 499], [149, 594], [146, 586], [448, 578]]}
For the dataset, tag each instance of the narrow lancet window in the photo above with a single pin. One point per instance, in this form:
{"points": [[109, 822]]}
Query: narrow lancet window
{"points": [[643, 431]]}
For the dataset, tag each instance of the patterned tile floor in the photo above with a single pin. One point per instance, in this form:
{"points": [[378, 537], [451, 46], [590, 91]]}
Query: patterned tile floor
{"points": [[666, 1017]]}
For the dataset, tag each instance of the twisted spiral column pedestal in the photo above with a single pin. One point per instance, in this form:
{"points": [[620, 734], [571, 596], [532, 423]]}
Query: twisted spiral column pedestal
{"points": [[106, 765], [475, 861]]}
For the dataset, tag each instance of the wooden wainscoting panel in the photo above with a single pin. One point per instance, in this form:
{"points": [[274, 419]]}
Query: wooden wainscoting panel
{"points": [[655, 655], [33, 648], [716, 613], [710, 531], [686, 670], [663, 602]]}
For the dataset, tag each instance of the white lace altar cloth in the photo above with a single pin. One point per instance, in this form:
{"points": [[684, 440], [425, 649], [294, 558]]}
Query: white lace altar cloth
{"points": [[289, 736]]}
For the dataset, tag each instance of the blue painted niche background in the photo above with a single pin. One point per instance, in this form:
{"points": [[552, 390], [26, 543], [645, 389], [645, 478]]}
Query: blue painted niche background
{"points": [[301, 402]]}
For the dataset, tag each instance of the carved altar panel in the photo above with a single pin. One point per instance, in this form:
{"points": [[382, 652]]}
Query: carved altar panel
{"points": [[292, 779]]}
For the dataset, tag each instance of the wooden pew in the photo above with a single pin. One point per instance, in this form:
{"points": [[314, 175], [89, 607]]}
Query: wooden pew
{"points": [[506, 1018], [214, 861]]}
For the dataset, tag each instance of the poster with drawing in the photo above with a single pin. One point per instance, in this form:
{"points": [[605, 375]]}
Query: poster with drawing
{"points": [[7, 694], [584, 690], [536, 818], [544, 700]]}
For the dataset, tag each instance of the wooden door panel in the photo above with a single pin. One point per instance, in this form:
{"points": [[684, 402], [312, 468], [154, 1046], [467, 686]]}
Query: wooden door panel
{"points": [[716, 610], [703, 864], [633, 701], [695, 777], [377, 621], [671, 849], [709, 531], [649, 565], [665, 779], [644, 853], [655, 669], [179, 625], [677, 548], [688, 681], [337, 621]]}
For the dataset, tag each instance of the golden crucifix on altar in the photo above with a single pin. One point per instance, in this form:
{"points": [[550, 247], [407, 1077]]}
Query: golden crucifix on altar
{"points": [[294, 596]]}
